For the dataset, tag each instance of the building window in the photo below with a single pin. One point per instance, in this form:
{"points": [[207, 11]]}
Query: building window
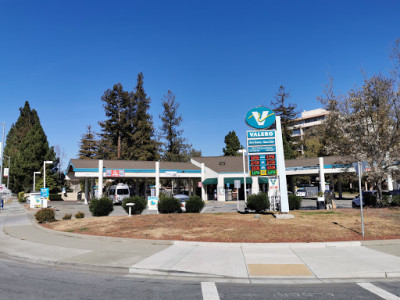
{"points": [[296, 132]]}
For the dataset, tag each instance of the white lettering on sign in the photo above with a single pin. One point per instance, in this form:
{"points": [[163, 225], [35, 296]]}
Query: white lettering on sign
{"points": [[256, 134]]}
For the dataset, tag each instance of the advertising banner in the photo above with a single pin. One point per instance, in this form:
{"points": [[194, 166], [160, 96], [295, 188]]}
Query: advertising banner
{"points": [[152, 203]]}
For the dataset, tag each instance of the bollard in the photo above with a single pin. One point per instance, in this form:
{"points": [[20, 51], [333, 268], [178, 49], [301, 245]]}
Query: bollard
{"points": [[130, 208]]}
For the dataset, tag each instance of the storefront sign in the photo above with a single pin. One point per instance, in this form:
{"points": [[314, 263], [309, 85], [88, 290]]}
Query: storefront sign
{"points": [[115, 173]]}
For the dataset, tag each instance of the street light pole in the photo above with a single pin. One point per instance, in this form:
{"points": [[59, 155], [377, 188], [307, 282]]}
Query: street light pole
{"points": [[243, 151], [8, 176], [44, 171], [34, 173]]}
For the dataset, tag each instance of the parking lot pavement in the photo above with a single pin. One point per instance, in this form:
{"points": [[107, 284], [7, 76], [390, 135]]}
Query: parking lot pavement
{"points": [[72, 207], [310, 204]]}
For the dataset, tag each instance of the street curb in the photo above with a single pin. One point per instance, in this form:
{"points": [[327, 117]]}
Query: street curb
{"points": [[272, 245]]}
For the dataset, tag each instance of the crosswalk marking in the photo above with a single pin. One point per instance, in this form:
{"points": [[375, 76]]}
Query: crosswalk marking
{"points": [[378, 291], [209, 290]]}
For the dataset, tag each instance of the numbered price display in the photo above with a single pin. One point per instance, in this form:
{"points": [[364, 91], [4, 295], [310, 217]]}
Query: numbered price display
{"points": [[263, 165], [263, 172]]}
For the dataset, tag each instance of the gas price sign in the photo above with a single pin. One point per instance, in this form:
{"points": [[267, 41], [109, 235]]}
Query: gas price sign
{"points": [[262, 153], [262, 165]]}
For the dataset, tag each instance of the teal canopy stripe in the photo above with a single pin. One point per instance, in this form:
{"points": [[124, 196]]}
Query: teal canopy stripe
{"points": [[232, 180]]}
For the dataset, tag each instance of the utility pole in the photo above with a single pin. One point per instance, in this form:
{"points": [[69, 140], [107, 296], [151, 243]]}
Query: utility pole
{"points": [[1, 154]]}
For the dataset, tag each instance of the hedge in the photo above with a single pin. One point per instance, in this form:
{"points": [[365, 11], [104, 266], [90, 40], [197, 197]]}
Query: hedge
{"points": [[194, 204], [258, 202], [140, 204]]}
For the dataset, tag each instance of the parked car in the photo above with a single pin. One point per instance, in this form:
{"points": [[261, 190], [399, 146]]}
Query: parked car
{"points": [[182, 198], [301, 193], [356, 201], [117, 193]]}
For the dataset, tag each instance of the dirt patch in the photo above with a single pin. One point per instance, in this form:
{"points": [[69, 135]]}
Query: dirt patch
{"points": [[307, 226]]}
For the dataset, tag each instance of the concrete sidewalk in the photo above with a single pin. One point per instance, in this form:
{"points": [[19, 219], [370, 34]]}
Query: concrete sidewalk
{"points": [[23, 239]]}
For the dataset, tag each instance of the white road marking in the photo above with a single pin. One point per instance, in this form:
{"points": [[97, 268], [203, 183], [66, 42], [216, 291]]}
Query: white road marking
{"points": [[209, 290], [378, 291]]}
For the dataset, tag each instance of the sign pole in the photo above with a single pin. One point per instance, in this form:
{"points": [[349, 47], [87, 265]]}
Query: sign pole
{"points": [[361, 197], [281, 167]]}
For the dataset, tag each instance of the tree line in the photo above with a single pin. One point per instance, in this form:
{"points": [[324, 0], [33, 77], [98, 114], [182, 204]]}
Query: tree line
{"points": [[128, 132]]}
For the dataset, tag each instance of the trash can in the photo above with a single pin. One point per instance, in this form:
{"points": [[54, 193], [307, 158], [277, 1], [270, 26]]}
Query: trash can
{"points": [[321, 205]]}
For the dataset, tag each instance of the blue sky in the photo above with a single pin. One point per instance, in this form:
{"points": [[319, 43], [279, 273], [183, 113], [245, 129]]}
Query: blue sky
{"points": [[220, 58]]}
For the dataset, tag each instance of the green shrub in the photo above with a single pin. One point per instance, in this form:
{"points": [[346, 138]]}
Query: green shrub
{"points": [[259, 202], [101, 207], [194, 204], [140, 204], [45, 215], [21, 197], [169, 205], [67, 217], [386, 200], [80, 215], [395, 200], [294, 202], [162, 196], [369, 200], [55, 197]]}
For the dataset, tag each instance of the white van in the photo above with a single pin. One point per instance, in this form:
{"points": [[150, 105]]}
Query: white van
{"points": [[118, 192]]}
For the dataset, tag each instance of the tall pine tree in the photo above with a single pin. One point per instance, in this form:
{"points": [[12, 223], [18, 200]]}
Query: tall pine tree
{"points": [[175, 147], [116, 128], [141, 141], [287, 112], [88, 145], [232, 144], [28, 147]]}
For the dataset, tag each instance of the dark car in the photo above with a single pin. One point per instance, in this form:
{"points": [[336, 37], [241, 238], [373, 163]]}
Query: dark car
{"points": [[356, 200]]}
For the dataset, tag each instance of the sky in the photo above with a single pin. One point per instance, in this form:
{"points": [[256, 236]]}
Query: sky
{"points": [[220, 58]]}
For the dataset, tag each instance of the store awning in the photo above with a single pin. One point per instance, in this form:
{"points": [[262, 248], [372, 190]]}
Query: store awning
{"points": [[232, 180], [209, 181], [262, 180]]}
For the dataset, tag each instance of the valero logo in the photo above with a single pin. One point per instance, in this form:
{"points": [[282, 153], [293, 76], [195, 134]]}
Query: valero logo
{"points": [[260, 117]]}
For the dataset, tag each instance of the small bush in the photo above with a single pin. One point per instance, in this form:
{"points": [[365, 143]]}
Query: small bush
{"points": [[55, 197], [101, 207], [162, 196], [21, 197], [169, 205], [386, 200], [369, 200], [259, 202], [67, 217], [395, 200], [294, 202], [194, 204], [80, 215], [45, 215], [140, 204]]}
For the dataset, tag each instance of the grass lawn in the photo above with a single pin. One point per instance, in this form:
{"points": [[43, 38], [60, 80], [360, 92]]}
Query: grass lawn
{"points": [[307, 226]]}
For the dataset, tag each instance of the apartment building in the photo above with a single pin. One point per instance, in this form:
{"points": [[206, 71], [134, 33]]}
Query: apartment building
{"points": [[308, 120]]}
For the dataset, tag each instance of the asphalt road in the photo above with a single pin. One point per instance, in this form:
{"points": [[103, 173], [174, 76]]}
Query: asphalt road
{"points": [[27, 281]]}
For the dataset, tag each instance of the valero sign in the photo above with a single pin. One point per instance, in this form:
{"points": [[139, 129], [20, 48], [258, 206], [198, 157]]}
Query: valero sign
{"points": [[260, 117]]}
